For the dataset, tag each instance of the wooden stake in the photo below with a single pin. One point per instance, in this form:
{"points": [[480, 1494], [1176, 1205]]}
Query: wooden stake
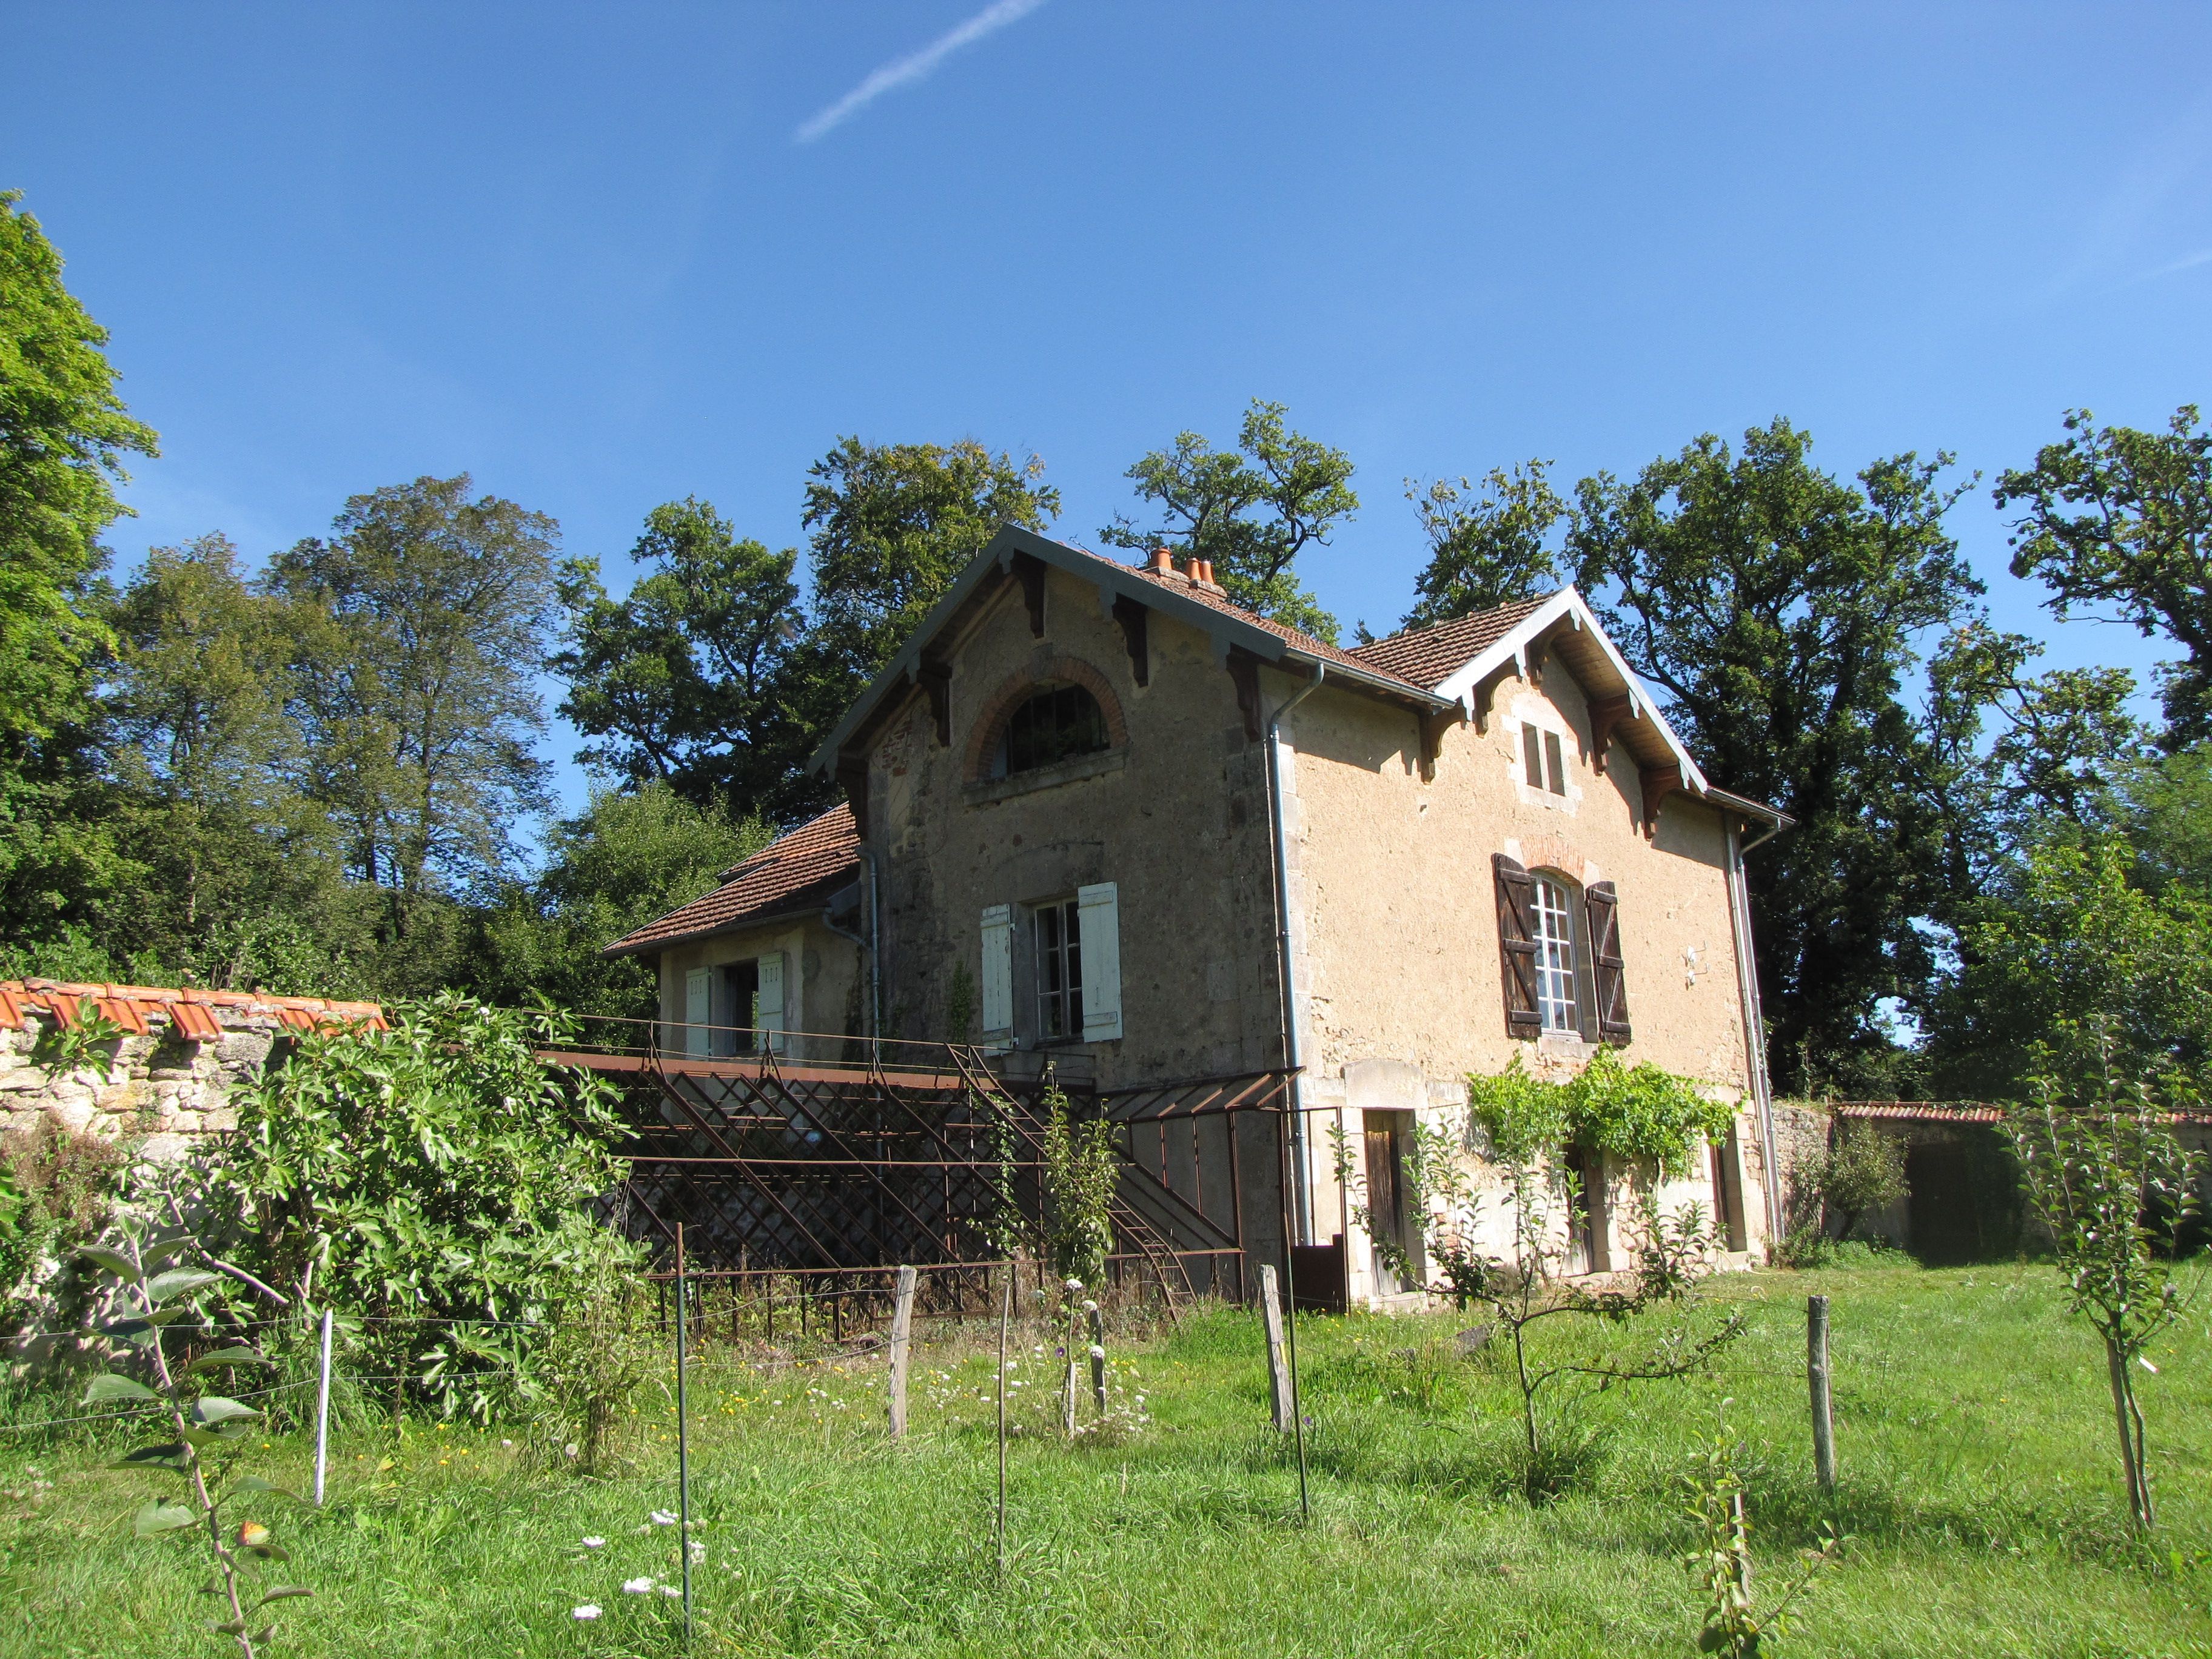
{"points": [[1006, 1314], [901, 1330], [683, 1432], [1279, 1371], [1097, 1358], [1816, 1374]]}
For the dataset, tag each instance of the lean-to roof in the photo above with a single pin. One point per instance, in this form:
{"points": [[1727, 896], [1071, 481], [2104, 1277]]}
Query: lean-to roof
{"points": [[795, 872]]}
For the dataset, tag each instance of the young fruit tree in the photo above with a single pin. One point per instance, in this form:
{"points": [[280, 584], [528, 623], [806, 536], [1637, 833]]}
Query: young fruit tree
{"points": [[210, 1429], [2106, 1174]]}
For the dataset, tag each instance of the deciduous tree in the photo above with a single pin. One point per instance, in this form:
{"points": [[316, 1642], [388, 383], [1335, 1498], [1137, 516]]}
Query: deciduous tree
{"points": [[2119, 523], [1250, 512], [1490, 549], [1779, 610]]}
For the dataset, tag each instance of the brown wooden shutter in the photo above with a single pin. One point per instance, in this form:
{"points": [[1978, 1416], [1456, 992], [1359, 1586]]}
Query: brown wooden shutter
{"points": [[1516, 945], [1601, 911]]}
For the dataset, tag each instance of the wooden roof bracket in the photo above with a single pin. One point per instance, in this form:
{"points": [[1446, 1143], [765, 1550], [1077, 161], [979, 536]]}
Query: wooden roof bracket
{"points": [[935, 678], [1028, 570], [1244, 674], [1132, 615], [1608, 715], [1434, 722], [852, 774], [1657, 783]]}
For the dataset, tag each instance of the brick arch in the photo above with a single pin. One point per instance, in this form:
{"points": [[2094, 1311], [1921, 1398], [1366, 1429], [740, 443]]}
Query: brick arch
{"points": [[1551, 852], [1015, 690]]}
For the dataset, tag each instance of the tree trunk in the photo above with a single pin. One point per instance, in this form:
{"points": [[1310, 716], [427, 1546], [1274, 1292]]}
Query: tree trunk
{"points": [[2129, 1417]]}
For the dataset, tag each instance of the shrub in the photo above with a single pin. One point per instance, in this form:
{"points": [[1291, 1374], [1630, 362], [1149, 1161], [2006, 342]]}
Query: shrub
{"points": [[1861, 1169], [57, 1191], [436, 1183]]}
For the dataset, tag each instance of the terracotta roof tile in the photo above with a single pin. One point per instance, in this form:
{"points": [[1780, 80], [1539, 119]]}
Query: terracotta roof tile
{"points": [[795, 871], [1427, 656], [191, 1010]]}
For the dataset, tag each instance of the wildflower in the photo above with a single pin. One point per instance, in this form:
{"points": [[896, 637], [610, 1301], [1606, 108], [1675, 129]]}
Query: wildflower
{"points": [[589, 1610], [1098, 1352], [670, 1589], [594, 1543], [664, 1517], [637, 1586], [1074, 1285], [1089, 1306], [698, 1552]]}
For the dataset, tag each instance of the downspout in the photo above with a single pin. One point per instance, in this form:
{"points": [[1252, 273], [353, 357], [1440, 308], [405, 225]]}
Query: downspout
{"points": [[1754, 1022], [869, 952], [1301, 1222]]}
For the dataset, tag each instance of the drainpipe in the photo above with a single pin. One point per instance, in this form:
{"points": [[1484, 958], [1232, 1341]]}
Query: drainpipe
{"points": [[871, 953], [1754, 1021], [1300, 1221]]}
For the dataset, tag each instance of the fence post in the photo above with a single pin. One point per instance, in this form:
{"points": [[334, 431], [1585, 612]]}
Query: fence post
{"points": [[683, 1432], [902, 1331], [1816, 1374], [1098, 1356], [322, 1412], [1279, 1375]]}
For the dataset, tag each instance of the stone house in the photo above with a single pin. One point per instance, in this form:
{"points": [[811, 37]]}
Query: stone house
{"points": [[1098, 815]]}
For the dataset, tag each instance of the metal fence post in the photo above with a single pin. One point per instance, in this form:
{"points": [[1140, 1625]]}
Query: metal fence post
{"points": [[322, 1412]]}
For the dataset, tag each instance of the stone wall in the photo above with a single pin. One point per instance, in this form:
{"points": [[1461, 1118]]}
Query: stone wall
{"points": [[163, 1092]]}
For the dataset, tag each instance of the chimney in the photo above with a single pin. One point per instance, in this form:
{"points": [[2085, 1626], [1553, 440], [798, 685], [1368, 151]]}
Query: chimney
{"points": [[1163, 561]]}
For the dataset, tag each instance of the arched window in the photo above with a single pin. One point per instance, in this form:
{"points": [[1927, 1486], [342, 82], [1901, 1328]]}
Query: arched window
{"points": [[1055, 724], [1551, 919]]}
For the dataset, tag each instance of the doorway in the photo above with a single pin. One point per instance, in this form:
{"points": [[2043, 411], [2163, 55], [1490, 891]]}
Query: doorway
{"points": [[1587, 1227], [1386, 1135], [1940, 1205]]}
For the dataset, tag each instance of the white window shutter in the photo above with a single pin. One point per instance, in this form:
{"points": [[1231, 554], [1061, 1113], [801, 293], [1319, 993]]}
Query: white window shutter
{"points": [[698, 1010], [999, 974], [1100, 909], [769, 1018]]}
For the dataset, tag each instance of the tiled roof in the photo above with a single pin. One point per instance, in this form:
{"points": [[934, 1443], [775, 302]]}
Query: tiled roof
{"points": [[1425, 656], [191, 1011], [795, 871], [1175, 582], [1925, 1111]]}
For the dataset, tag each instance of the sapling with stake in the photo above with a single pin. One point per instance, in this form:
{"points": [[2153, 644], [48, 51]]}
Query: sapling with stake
{"points": [[211, 1429], [1722, 1565], [2105, 1173]]}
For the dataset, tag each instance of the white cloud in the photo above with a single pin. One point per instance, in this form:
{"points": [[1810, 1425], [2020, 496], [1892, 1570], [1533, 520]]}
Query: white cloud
{"points": [[914, 66]]}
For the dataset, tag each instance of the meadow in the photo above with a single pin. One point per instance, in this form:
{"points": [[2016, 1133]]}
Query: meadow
{"points": [[1978, 1493]]}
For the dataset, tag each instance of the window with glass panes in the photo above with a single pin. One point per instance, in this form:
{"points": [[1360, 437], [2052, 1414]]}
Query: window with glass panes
{"points": [[1059, 970], [1553, 928]]}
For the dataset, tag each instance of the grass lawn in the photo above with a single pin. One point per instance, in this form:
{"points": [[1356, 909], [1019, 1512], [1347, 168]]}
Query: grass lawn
{"points": [[1979, 1489]]}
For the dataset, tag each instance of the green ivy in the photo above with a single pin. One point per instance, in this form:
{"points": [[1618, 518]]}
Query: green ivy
{"points": [[1642, 1112]]}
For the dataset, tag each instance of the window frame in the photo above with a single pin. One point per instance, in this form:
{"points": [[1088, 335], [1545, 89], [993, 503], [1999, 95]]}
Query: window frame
{"points": [[1554, 897], [1057, 1007], [1051, 692]]}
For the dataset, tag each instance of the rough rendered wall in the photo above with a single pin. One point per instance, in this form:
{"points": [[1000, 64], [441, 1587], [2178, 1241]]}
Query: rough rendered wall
{"points": [[1398, 934], [167, 1092], [823, 980], [1174, 815]]}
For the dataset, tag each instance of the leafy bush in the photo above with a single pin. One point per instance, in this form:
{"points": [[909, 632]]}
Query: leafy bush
{"points": [[435, 1181], [58, 1190], [1861, 1169], [1081, 1169]]}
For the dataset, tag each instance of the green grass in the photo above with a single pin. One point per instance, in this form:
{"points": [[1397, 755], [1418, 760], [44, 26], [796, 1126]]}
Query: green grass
{"points": [[1979, 1489]]}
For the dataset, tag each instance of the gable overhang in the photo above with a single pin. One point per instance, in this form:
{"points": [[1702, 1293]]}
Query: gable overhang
{"points": [[1597, 663], [985, 577]]}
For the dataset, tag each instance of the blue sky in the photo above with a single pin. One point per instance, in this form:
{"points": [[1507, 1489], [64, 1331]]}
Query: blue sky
{"points": [[605, 256]]}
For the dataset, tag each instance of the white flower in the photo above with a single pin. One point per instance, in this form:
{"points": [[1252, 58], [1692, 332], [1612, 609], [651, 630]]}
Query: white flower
{"points": [[636, 1586], [589, 1610], [1098, 1352], [1090, 1306], [1074, 1285], [670, 1589], [664, 1517], [594, 1543], [698, 1552], [506, 1445]]}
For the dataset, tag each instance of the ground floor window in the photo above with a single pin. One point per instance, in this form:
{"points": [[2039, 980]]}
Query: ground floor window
{"points": [[1060, 969]]}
